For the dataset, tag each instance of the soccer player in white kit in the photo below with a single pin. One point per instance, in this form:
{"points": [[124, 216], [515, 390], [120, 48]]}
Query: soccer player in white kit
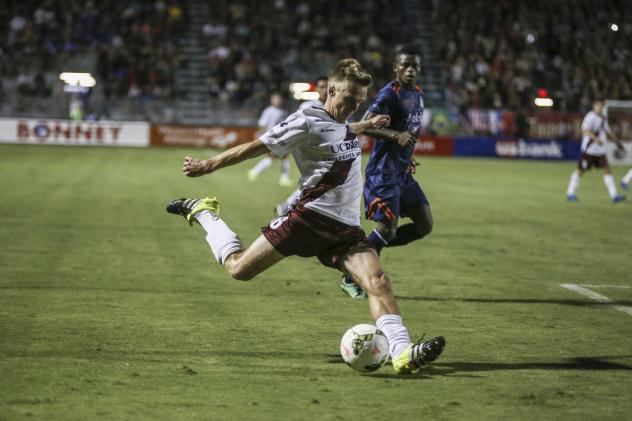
{"points": [[596, 131], [326, 221], [272, 115], [320, 86]]}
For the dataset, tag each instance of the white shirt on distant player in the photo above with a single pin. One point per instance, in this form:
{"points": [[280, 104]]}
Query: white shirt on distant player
{"points": [[271, 116], [322, 147], [597, 124], [310, 103]]}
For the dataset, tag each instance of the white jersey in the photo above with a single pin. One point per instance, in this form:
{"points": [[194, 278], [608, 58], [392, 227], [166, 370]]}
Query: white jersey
{"points": [[327, 154], [271, 116], [597, 124], [310, 103]]}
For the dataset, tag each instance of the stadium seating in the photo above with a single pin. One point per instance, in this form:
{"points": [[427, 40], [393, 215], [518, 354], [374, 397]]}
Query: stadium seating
{"points": [[492, 54], [498, 54]]}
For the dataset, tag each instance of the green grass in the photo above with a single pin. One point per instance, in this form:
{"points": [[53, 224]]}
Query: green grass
{"points": [[110, 308]]}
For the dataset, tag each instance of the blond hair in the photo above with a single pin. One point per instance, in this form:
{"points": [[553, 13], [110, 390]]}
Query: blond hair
{"points": [[349, 69]]}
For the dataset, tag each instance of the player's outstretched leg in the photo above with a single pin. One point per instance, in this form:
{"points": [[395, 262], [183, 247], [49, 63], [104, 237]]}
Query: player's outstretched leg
{"points": [[188, 208], [407, 357], [242, 264], [222, 240]]}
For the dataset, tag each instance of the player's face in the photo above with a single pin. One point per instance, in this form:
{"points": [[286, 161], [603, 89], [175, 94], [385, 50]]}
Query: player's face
{"points": [[346, 98], [407, 68], [598, 107], [321, 88], [276, 100]]}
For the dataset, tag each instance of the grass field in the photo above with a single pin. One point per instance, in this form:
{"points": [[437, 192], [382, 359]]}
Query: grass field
{"points": [[110, 308]]}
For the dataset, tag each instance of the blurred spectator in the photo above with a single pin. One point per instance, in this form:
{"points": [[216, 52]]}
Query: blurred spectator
{"points": [[248, 57], [134, 44], [497, 54]]}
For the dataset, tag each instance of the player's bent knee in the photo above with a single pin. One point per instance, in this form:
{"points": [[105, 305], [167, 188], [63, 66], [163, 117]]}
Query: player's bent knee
{"points": [[379, 284], [388, 232], [425, 228]]}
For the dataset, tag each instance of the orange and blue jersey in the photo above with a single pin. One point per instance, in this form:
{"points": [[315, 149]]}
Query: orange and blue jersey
{"points": [[405, 106], [390, 191]]}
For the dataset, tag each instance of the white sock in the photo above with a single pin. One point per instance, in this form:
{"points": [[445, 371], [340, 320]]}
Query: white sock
{"points": [[285, 168], [220, 237], [396, 333], [628, 177], [608, 180], [262, 165], [573, 183]]}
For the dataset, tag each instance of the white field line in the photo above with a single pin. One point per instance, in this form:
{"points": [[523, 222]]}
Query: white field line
{"points": [[605, 286], [597, 297]]}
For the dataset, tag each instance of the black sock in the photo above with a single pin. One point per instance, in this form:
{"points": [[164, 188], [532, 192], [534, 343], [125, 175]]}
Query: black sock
{"points": [[405, 234]]}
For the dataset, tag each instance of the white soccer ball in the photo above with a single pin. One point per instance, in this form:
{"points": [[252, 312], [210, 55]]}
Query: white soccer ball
{"points": [[364, 348]]}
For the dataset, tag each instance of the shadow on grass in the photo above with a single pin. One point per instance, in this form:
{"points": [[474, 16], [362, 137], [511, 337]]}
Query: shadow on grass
{"points": [[465, 369], [561, 301]]}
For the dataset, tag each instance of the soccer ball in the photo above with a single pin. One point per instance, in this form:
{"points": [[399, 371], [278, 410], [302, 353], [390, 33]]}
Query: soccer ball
{"points": [[364, 348]]}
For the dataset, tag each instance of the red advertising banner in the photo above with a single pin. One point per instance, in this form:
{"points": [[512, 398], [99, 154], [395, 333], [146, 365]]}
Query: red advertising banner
{"points": [[555, 125], [426, 145], [73, 133], [434, 145], [200, 136]]}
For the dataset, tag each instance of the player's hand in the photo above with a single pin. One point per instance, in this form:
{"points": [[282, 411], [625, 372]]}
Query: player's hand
{"points": [[412, 167], [405, 139], [379, 121], [194, 167]]}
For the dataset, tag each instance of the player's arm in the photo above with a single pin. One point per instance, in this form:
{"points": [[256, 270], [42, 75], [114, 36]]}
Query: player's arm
{"points": [[376, 122], [614, 137], [196, 167], [403, 139]]}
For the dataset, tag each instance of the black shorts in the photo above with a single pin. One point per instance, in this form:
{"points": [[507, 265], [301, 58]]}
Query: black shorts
{"points": [[306, 233], [587, 161]]}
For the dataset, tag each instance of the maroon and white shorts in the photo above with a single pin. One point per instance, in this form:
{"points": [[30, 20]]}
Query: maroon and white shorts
{"points": [[587, 161], [306, 233]]}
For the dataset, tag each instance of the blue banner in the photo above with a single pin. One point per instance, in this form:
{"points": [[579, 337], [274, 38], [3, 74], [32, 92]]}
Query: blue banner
{"points": [[520, 148]]}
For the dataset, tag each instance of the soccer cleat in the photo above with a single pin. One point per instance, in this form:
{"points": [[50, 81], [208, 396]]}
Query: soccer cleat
{"points": [[188, 208], [352, 289], [572, 198], [618, 198], [625, 186], [418, 354]]}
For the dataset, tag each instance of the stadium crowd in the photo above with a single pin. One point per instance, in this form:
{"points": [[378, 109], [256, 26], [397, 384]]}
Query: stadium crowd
{"points": [[494, 55], [133, 44], [498, 54], [256, 47]]}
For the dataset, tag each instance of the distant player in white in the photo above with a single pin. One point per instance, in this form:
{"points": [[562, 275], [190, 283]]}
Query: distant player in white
{"points": [[320, 86], [272, 115], [596, 131], [326, 221]]}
